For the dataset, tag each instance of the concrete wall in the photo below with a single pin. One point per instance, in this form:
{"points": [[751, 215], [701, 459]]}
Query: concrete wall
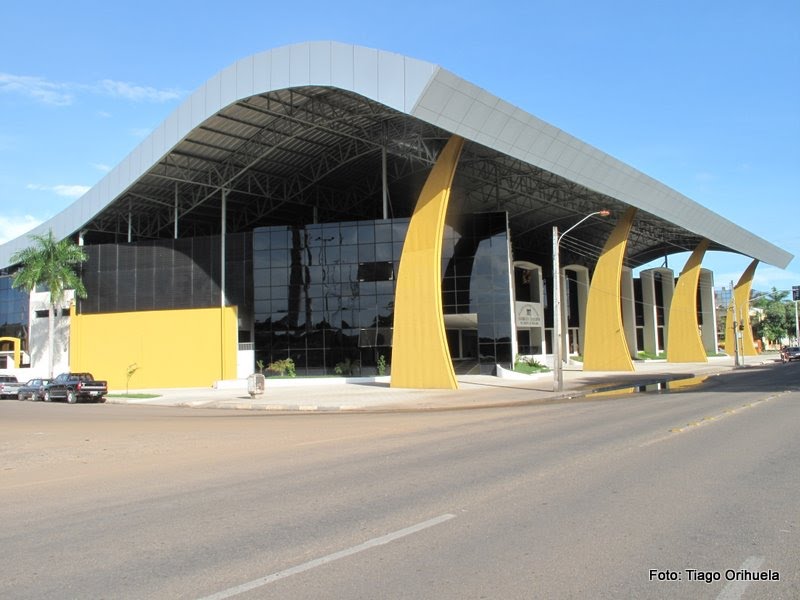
{"points": [[169, 348]]}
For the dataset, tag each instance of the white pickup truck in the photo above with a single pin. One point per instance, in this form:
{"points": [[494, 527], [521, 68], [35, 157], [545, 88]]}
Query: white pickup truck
{"points": [[9, 386]]}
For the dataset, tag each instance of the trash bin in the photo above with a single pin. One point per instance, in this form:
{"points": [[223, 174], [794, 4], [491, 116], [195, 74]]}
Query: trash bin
{"points": [[255, 384]]}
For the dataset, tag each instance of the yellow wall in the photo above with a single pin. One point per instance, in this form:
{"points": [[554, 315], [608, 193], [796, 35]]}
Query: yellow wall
{"points": [[420, 354], [15, 342], [172, 348]]}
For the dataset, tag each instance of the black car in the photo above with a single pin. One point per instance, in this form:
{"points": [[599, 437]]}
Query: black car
{"points": [[790, 353], [33, 389]]}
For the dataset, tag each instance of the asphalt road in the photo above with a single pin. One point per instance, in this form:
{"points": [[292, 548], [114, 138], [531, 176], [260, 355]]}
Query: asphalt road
{"points": [[611, 497]]}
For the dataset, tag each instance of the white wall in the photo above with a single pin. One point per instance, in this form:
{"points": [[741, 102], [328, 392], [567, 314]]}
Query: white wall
{"points": [[37, 346]]}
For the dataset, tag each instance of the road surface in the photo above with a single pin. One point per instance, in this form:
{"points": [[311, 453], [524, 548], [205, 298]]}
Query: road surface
{"points": [[672, 495]]}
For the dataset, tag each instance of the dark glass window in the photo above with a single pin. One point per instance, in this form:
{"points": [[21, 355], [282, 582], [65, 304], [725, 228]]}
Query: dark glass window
{"points": [[328, 279], [166, 274], [336, 283], [14, 312], [376, 271], [348, 235], [476, 280]]}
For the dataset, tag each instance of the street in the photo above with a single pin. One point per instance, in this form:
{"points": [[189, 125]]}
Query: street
{"points": [[689, 494]]}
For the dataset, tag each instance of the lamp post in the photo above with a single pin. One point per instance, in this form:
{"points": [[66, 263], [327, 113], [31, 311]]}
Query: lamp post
{"points": [[558, 373], [736, 362], [796, 299]]}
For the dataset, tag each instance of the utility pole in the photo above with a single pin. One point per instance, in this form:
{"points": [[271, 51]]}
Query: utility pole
{"points": [[558, 367], [735, 329], [796, 298], [558, 375]]}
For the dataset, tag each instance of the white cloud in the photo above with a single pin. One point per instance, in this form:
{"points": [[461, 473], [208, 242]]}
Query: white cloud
{"points": [[137, 93], [13, 227], [63, 93], [101, 167], [705, 177], [767, 277], [141, 132], [46, 92], [68, 191]]}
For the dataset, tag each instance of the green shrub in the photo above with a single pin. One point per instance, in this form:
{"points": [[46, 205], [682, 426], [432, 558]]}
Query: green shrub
{"points": [[381, 365], [283, 367], [347, 367], [529, 365]]}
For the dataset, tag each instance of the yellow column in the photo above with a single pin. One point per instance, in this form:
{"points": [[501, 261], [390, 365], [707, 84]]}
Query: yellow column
{"points": [[683, 337], [420, 354], [15, 343], [604, 346], [741, 298]]}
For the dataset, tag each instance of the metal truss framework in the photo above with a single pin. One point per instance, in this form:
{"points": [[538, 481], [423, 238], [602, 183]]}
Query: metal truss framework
{"points": [[315, 154]]}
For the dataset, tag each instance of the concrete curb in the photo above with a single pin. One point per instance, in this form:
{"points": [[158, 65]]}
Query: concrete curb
{"points": [[370, 395]]}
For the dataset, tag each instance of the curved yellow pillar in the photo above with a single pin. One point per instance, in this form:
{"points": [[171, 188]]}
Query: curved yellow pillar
{"points": [[604, 345], [420, 354], [741, 298], [683, 337]]}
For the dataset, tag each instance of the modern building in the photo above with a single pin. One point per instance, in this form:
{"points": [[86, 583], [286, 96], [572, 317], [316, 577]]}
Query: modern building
{"points": [[344, 206]]}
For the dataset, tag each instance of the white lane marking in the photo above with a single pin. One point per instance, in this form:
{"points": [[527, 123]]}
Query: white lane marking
{"points": [[735, 589], [336, 439], [41, 482], [378, 541]]}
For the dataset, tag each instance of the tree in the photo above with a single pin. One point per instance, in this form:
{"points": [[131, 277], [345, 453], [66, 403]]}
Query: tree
{"points": [[778, 320], [765, 299], [51, 264]]}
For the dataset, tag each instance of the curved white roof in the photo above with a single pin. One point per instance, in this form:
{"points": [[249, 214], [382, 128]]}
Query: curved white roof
{"points": [[424, 91]]}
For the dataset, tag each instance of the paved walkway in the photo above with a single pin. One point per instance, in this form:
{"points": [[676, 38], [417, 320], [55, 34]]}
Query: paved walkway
{"points": [[475, 391]]}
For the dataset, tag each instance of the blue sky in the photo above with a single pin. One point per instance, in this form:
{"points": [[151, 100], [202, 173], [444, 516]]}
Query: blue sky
{"points": [[703, 96]]}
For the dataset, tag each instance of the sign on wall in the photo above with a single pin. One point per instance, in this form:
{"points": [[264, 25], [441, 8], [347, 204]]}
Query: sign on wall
{"points": [[529, 314]]}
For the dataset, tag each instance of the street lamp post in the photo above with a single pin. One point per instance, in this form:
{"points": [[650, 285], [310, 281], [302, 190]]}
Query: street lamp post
{"points": [[558, 372], [736, 362], [796, 298]]}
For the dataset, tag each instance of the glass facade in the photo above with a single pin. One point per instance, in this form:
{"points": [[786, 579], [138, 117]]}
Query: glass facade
{"points": [[14, 308], [166, 274], [323, 294], [477, 283]]}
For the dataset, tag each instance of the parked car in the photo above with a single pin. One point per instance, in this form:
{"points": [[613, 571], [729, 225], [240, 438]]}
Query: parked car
{"points": [[33, 389], [790, 353], [9, 386], [75, 386]]}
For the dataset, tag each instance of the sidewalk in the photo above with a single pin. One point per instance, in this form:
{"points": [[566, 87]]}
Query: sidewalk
{"points": [[475, 391]]}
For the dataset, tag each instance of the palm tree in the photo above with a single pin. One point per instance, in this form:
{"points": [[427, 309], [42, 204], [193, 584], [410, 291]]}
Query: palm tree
{"points": [[52, 264]]}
